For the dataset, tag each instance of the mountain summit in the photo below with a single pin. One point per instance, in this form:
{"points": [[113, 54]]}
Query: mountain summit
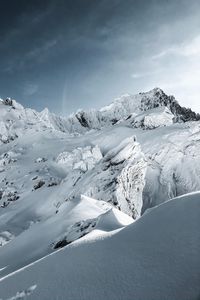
{"points": [[146, 110]]}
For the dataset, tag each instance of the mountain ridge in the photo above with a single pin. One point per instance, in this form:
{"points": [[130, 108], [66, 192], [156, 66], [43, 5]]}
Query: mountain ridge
{"points": [[68, 181], [125, 109]]}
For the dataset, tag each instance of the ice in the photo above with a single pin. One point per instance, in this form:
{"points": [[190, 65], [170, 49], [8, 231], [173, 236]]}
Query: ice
{"points": [[79, 182]]}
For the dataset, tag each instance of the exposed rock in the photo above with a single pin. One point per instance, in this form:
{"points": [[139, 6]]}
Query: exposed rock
{"points": [[39, 184], [75, 232], [40, 159]]}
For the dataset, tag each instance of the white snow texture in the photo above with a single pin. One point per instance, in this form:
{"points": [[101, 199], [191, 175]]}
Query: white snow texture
{"points": [[103, 204]]}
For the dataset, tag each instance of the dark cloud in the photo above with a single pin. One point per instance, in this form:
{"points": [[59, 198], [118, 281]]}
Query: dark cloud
{"points": [[68, 54]]}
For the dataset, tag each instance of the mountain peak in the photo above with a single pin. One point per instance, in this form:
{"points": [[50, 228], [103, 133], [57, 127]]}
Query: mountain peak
{"points": [[11, 102], [153, 91], [138, 110], [158, 90]]}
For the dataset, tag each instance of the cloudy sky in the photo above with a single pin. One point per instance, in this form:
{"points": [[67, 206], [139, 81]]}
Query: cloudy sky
{"points": [[70, 54]]}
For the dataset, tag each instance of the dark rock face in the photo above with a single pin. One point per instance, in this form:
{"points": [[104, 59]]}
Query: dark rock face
{"points": [[61, 244], [39, 184], [8, 101], [82, 119], [181, 114]]}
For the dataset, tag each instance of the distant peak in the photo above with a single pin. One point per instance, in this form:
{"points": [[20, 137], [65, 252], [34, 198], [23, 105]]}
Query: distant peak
{"points": [[11, 102], [157, 90], [154, 91], [45, 111], [8, 101]]}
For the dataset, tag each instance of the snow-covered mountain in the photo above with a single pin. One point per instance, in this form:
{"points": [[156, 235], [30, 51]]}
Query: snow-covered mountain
{"points": [[85, 177], [147, 110]]}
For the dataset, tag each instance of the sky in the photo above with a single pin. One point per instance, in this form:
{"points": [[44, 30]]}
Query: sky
{"points": [[71, 54]]}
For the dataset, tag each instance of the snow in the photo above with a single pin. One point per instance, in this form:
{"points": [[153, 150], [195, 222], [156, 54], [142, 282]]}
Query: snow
{"points": [[74, 219], [142, 261], [154, 118], [5, 237], [23, 294], [77, 182], [80, 158]]}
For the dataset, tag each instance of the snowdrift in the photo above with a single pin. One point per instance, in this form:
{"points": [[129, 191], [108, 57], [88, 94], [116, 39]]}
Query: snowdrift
{"points": [[155, 258]]}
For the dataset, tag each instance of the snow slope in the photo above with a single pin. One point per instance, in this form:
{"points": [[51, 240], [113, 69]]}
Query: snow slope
{"points": [[76, 219], [155, 258]]}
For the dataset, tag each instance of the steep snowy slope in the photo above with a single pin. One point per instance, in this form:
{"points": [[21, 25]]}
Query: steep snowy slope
{"points": [[75, 219], [42, 178], [155, 258]]}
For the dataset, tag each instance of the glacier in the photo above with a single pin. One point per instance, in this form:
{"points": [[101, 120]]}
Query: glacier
{"points": [[88, 182]]}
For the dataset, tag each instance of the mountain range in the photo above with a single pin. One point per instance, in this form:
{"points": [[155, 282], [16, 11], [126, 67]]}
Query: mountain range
{"points": [[102, 203]]}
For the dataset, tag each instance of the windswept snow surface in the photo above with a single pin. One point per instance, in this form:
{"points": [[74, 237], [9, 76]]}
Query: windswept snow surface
{"points": [[81, 179], [155, 258], [75, 219]]}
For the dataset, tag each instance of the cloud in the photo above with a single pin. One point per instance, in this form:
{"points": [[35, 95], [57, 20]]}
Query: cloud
{"points": [[37, 54], [41, 49], [30, 89], [187, 49], [138, 75], [105, 48], [141, 75]]}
